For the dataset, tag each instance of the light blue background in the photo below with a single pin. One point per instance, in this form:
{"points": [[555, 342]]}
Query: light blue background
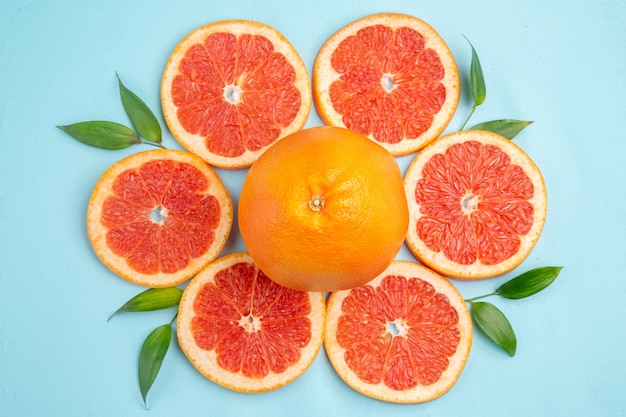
{"points": [[560, 64]]}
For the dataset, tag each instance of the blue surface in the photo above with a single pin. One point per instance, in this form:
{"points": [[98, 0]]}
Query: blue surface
{"points": [[560, 64]]}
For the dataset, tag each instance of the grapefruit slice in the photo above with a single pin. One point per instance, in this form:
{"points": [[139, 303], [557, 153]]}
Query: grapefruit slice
{"points": [[157, 217], [245, 332], [477, 205], [390, 77], [404, 337], [232, 88]]}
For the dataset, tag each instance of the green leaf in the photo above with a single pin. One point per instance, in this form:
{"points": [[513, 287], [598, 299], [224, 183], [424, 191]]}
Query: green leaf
{"points": [[142, 118], [529, 283], [509, 128], [495, 325], [151, 357], [477, 80], [152, 299], [102, 134]]}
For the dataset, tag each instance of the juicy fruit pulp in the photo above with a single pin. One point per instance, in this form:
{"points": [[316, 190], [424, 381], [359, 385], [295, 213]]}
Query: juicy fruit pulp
{"points": [[389, 77], [245, 332], [157, 217], [323, 209], [478, 204], [403, 337], [232, 88]]}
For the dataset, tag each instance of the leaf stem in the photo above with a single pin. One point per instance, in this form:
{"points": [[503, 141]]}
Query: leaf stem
{"points": [[158, 145], [469, 116], [470, 300]]}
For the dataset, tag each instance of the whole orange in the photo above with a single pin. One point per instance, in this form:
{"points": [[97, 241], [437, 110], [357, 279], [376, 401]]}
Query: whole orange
{"points": [[323, 209]]}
